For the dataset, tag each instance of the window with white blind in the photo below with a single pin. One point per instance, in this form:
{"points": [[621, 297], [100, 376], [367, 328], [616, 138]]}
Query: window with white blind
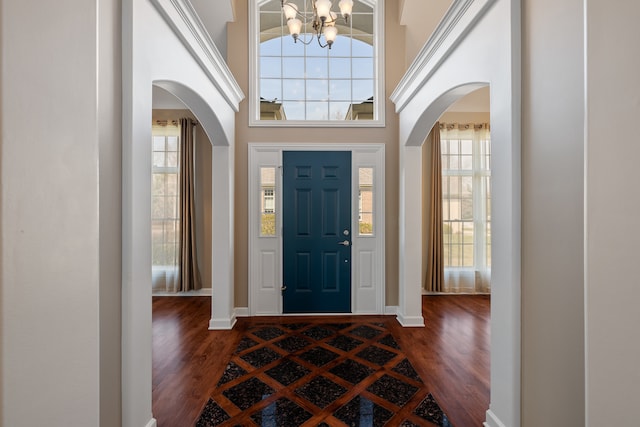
{"points": [[466, 197], [165, 194]]}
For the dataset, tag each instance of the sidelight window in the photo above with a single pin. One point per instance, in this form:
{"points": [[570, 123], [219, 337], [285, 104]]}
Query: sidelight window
{"points": [[365, 201], [268, 201]]}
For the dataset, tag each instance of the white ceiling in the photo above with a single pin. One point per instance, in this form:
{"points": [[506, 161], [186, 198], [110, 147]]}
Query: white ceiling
{"points": [[215, 14], [163, 100], [423, 16], [476, 102]]}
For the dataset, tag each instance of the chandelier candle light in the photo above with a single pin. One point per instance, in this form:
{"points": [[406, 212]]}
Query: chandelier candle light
{"points": [[322, 18]]}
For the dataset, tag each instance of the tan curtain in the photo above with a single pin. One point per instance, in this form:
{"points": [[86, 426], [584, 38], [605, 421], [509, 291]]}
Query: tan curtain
{"points": [[189, 275], [435, 261]]}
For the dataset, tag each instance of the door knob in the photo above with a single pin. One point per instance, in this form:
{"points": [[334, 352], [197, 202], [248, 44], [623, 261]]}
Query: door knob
{"points": [[345, 243]]}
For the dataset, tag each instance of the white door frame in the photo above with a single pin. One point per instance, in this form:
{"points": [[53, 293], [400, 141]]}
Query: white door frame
{"points": [[265, 252]]}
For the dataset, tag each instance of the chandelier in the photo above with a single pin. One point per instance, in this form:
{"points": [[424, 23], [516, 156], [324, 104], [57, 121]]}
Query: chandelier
{"points": [[322, 19]]}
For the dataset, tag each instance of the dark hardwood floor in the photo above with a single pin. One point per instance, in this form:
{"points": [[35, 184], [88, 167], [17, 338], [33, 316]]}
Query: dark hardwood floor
{"points": [[451, 354]]}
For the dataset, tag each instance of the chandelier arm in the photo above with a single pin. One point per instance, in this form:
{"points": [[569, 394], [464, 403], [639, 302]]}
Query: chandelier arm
{"points": [[318, 24], [298, 13], [306, 15], [301, 40], [321, 45]]}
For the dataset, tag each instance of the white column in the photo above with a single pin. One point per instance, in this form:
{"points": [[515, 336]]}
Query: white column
{"points": [[222, 284], [410, 244], [136, 255], [50, 354], [612, 229]]}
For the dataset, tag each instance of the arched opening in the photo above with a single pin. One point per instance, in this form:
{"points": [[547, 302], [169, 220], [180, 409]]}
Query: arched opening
{"points": [[176, 165], [181, 204], [472, 48], [456, 199], [505, 316], [137, 238], [221, 165]]}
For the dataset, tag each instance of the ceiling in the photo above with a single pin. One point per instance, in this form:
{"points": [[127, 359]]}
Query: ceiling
{"points": [[215, 14], [163, 100], [476, 102]]}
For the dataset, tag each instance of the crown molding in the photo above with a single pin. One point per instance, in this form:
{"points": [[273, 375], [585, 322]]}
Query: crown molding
{"points": [[186, 24], [460, 18], [370, 3]]}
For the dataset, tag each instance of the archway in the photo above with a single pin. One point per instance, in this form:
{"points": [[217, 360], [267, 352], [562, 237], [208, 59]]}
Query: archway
{"points": [[476, 45], [222, 306], [195, 73], [136, 301]]}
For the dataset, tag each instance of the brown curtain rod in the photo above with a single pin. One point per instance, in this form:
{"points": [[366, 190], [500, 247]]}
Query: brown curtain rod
{"points": [[166, 122], [464, 126], [173, 122]]}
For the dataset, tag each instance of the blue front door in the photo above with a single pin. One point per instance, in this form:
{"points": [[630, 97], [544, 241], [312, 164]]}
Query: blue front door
{"points": [[316, 229]]}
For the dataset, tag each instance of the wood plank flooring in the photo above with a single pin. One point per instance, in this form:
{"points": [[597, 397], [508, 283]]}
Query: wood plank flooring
{"points": [[451, 354]]}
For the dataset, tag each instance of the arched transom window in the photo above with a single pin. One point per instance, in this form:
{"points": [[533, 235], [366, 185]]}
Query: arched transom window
{"points": [[310, 80]]}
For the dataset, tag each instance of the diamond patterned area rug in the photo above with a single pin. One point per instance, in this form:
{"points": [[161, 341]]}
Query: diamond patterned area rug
{"points": [[330, 374]]}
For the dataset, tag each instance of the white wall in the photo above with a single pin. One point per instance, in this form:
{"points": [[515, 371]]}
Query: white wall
{"points": [[215, 15], [110, 214], [612, 206], [552, 213], [420, 20], [53, 139]]}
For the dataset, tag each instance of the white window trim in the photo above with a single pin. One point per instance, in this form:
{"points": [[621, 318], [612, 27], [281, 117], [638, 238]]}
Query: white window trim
{"points": [[379, 77], [265, 252], [477, 174]]}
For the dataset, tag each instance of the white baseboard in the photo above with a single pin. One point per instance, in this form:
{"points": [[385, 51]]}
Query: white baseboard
{"points": [[493, 420], [410, 321], [391, 309], [242, 311], [222, 324], [152, 423]]}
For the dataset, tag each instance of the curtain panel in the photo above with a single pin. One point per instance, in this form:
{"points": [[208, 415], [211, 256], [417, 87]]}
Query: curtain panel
{"points": [[188, 272], [435, 264]]}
